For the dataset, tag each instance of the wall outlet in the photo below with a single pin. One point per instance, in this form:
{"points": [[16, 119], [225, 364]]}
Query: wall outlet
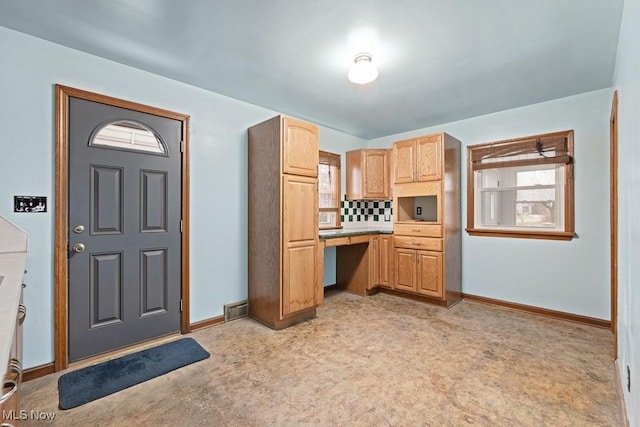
{"points": [[419, 210], [628, 379]]}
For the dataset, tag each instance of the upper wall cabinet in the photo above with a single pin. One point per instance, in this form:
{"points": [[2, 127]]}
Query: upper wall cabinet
{"points": [[368, 174], [418, 159], [300, 148]]}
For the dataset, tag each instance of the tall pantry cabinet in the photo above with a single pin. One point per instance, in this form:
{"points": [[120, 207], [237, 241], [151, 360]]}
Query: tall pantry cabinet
{"points": [[283, 221], [427, 250]]}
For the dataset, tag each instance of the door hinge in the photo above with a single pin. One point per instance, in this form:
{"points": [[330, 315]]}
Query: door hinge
{"points": [[181, 226], [180, 305], [182, 146]]}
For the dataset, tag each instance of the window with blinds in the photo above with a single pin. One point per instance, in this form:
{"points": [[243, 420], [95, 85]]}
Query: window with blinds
{"points": [[329, 190], [522, 187]]}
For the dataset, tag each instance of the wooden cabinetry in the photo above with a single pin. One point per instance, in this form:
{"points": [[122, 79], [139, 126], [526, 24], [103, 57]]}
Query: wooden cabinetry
{"points": [[418, 159], [427, 238], [300, 238], [283, 221], [429, 273], [381, 261], [299, 147], [368, 174]]}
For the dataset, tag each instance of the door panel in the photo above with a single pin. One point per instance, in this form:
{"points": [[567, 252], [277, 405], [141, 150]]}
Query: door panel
{"points": [[106, 203], [153, 199], [374, 262], [376, 174], [429, 155], [405, 267], [300, 238], [300, 148], [106, 289], [125, 286], [154, 290], [299, 279], [429, 273], [385, 248], [300, 195], [404, 161]]}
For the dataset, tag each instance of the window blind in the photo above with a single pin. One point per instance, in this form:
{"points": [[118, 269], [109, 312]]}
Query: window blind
{"points": [[329, 184], [553, 148]]}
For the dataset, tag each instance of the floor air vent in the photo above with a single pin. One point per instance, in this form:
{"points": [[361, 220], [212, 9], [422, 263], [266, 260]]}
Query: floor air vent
{"points": [[236, 310]]}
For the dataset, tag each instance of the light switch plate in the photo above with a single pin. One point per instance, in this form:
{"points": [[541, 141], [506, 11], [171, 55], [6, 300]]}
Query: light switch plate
{"points": [[29, 204]]}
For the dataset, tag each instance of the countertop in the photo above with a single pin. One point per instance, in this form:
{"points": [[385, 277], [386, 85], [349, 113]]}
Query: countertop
{"points": [[345, 232]]}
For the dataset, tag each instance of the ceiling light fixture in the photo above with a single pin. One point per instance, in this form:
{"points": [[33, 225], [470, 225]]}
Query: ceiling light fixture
{"points": [[362, 71]]}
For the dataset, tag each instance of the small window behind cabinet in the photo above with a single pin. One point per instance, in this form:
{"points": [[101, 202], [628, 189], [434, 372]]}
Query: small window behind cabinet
{"points": [[522, 187], [329, 190]]}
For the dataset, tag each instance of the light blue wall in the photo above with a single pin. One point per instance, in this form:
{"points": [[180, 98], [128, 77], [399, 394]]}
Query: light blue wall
{"points": [[627, 82], [570, 276], [30, 68]]}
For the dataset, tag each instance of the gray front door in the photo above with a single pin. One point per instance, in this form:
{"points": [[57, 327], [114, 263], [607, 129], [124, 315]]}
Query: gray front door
{"points": [[124, 227]]}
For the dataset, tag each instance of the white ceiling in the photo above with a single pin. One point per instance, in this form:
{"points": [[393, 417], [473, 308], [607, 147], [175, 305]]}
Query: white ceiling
{"points": [[439, 60]]}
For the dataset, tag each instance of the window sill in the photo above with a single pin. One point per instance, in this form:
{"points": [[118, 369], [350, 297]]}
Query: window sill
{"points": [[523, 234]]}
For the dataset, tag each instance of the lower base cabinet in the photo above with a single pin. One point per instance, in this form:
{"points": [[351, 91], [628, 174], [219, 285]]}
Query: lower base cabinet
{"points": [[382, 261], [419, 272], [429, 274]]}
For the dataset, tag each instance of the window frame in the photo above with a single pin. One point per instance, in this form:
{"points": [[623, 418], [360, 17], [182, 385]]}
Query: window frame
{"points": [[109, 143], [562, 157], [331, 159]]}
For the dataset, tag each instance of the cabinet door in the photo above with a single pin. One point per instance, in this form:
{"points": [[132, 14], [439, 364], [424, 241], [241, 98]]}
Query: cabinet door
{"points": [[300, 243], [404, 161], [376, 174], [429, 158], [405, 269], [374, 267], [385, 258], [299, 279], [299, 148], [429, 273]]}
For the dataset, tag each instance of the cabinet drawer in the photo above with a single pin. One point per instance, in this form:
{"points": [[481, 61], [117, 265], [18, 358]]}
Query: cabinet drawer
{"points": [[360, 239], [421, 243], [336, 241], [418, 229]]}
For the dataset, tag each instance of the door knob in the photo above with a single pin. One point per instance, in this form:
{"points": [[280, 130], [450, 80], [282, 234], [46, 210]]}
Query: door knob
{"points": [[79, 247], [78, 229]]}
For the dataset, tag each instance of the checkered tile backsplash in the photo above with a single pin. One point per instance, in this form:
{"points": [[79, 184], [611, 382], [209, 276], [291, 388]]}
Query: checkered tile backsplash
{"points": [[365, 210]]}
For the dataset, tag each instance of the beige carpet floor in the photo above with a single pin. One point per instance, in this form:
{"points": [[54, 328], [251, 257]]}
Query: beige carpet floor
{"points": [[375, 361]]}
